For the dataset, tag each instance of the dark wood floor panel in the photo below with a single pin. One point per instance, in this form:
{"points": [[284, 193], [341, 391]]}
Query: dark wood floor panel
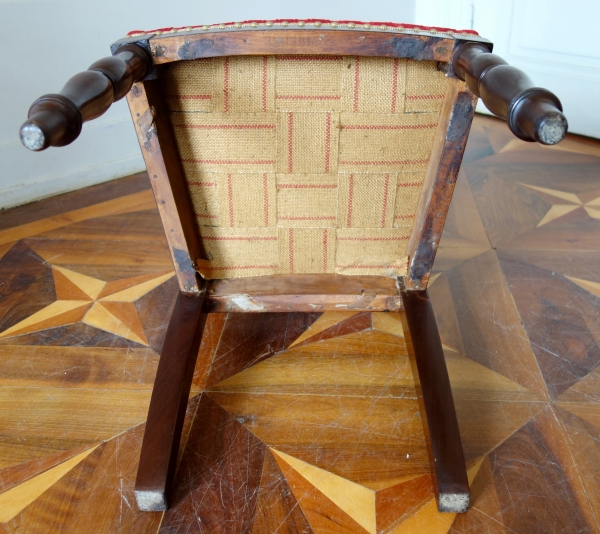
{"points": [[534, 480], [219, 475], [554, 311], [301, 423], [27, 285], [247, 339], [83, 198]]}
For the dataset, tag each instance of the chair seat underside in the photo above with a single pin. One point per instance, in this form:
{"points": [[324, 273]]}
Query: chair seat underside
{"points": [[304, 164]]}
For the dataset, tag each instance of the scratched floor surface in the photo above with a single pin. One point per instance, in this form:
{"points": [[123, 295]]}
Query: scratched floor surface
{"points": [[304, 423]]}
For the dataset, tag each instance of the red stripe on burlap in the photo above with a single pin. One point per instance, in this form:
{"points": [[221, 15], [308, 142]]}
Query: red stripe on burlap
{"points": [[326, 218], [266, 198], [239, 267], [350, 198], [226, 84], [291, 249], [388, 127], [238, 238], [231, 161], [290, 144], [356, 80], [386, 188], [324, 251], [227, 126], [404, 216], [410, 184], [425, 97], [395, 85], [309, 58], [230, 198], [399, 238], [327, 143], [204, 184], [264, 84], [306, 186], [308, 97], [405, 162], [365, 266], [410, 27]]}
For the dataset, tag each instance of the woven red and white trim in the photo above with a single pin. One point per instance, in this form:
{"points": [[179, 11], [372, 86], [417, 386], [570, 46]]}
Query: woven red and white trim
{"points": [[315, 23]]}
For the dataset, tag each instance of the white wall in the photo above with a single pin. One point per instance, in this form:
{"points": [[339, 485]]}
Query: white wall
{"points": [[553, 41], [48, 41]]}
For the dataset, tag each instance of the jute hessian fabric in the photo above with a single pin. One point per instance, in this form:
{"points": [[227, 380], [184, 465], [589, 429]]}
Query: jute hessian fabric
{"points": [[304, 164]]}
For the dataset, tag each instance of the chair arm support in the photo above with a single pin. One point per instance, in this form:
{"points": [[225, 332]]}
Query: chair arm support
{"points": [[532, 113], [56, 119]]}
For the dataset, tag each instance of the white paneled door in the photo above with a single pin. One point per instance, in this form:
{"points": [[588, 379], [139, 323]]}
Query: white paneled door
{"points": [[551, 40]]}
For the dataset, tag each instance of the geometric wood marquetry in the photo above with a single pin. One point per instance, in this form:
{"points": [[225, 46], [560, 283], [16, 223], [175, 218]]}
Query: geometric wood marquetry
{"points": [[106, 306], [311, 422], [353, 499], [19, 497], [564, 203], [592, 287]]}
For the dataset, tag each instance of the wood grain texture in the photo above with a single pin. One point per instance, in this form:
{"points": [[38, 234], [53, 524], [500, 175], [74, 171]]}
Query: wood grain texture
{"points": [[490, 326], [554, 312], [28, 285], [134, 202], [276, 507], [75, 200], [435, 397], [547, 484], [11, 476], [166, 176], [532, 113], [248, 339], [341, 398], [56, 119], [342, 326], [440, 179], [303, 293], [231, 458], [370, 376], [582, 439], [194, 45], [399, 502], [158, 460], [17, 498], [106, 476], [321, 512], [77, 367]]}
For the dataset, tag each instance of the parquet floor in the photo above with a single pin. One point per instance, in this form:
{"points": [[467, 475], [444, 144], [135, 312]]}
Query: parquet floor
{"points": [[303, 423]]}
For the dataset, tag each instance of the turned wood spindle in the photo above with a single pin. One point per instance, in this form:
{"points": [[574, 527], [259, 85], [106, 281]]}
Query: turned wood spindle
{"points": [[56, 119], [532, 113]]}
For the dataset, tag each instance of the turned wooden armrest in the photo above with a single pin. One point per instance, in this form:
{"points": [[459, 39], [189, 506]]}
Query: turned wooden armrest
{"points": [[532, 113], [56, 119]]}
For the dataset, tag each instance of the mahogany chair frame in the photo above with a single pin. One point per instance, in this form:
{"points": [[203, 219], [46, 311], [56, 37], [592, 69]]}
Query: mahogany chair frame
{"points": [[533, 114]]}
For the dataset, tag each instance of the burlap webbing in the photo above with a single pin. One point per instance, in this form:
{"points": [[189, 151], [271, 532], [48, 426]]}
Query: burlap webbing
{"points": [[304, 164]]}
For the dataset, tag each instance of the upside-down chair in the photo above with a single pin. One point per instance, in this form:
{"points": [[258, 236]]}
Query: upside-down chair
{"points": [[300, 166]]}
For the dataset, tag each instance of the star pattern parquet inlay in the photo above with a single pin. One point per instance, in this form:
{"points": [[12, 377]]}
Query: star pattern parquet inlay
{"points": [[305, 423]]}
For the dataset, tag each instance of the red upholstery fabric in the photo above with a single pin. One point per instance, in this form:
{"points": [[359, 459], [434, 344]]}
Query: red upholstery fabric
{"points": [[358, 24]]}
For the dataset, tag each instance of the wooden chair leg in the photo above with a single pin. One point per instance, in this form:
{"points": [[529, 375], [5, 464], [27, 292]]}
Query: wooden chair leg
{"points": [[435, 396], [158, 460]]}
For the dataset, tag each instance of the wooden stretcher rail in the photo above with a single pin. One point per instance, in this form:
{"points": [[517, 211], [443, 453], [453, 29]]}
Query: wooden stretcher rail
{"points": [[290, 41], [303, 293]]}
